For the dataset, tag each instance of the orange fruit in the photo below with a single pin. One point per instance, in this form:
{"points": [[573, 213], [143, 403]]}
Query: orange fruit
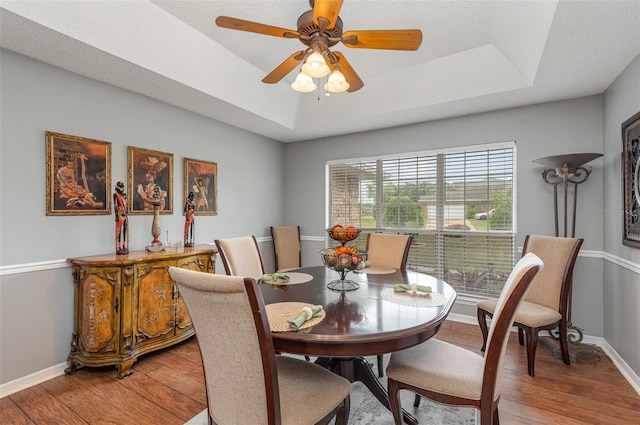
{"points": [[342, 250], [336, 231], [352, 232]]}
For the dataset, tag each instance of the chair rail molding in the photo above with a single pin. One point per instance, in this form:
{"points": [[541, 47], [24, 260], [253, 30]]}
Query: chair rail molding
{"points": [[33, 267], [629, 265], [58, 264]]}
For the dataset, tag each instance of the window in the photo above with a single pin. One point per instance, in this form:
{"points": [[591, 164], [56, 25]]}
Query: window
{"points": [[459, 205]]}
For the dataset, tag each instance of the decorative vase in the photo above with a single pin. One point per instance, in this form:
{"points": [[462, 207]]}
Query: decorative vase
{"points": [[155, 245]]}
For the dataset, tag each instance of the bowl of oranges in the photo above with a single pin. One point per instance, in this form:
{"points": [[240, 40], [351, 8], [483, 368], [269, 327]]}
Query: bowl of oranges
{"points": [[343, 234], [343, 258]]}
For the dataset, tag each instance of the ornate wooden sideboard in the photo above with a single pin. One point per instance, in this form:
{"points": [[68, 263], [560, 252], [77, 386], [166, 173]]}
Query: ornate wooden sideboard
{"points": [[127, 305]]}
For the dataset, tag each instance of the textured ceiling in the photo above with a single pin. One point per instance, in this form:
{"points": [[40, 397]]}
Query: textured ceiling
{"points": [[475, 56]]}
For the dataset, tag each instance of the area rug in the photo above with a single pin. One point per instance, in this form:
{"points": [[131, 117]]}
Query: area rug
{"points": [[367, 410]]}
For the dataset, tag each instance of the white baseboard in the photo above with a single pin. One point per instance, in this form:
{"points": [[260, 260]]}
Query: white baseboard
{"points": [[31, 380], [622, 366], [57, 370]]}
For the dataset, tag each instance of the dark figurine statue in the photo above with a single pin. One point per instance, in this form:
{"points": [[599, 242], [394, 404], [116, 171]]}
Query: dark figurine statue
{"points": [[122, 221], [189, 221]]}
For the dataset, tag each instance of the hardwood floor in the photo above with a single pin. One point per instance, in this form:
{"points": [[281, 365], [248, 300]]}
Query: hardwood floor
{"points": [[167, 387]]}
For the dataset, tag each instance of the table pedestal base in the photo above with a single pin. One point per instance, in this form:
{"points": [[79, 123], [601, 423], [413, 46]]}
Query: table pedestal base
{"points": [[358, 369]]}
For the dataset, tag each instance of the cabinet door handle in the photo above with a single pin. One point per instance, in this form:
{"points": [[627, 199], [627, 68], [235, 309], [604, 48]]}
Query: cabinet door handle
{"points": [[116, 304]]}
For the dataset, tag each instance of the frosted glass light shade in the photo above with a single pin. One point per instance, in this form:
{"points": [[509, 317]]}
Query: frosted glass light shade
{"points": [[336, 83], [315, 66], [303, 83]]}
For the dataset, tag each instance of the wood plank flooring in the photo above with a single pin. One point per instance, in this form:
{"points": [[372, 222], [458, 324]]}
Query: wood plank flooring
{"points": [[167, 388]]}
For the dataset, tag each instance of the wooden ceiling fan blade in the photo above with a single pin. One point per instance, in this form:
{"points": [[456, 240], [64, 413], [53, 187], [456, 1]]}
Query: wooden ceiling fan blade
{"points": [[242, 25], [383, 39], [325, 12], [284, 68], [355, 83]]}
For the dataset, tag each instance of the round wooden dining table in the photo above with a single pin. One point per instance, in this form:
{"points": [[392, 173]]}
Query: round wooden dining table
{"points": [[368, 321]]}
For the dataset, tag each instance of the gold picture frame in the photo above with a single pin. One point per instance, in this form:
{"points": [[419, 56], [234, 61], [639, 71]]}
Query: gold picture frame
{"points": [[149, 169], [631, 180], [78, 175], [201, 178]]}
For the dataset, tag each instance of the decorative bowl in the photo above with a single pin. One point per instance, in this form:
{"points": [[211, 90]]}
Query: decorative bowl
{"points": [[343, 234], [343, 263]]}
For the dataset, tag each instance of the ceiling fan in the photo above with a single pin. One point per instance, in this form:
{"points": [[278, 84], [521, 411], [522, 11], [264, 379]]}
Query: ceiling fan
{"points": [[320, 29]]}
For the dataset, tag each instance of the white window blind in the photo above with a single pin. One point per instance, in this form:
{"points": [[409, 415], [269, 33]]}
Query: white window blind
{"points": [[458, 205]]}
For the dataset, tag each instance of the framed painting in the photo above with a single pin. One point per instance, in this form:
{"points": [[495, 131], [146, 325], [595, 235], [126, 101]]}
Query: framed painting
{"points": [[78, 175], [149, 181], [631, 180], [201, 179]]}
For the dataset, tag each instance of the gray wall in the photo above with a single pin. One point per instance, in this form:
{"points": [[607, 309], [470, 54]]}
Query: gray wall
{"points": [[36, 307], [621, 292], [540, 130]]}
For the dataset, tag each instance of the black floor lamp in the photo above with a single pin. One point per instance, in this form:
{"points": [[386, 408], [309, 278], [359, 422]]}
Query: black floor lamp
{"points": [[567, 171]]}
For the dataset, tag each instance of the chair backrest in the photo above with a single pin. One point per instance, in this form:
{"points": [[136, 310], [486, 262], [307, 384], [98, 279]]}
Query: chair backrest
{"points": [[551, 287], [511, 296], [286, 246], [238, 357], [241, 256], [388, 250]]}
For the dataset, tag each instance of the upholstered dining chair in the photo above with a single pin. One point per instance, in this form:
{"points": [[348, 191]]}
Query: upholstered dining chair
{"points": [[286, 246], [246, 382], [390, 251], [241, 256], [448, 374], [546, 306]]}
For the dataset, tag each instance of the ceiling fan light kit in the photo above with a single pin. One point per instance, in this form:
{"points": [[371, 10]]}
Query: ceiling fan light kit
{"points": [[320, 29], [336, 83], [303, 83], [315, 66]]}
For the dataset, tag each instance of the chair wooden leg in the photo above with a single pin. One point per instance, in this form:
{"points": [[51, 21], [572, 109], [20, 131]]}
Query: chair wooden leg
{"points": [[532, 344], [342, 417], [520, 336], [482, 321], [496, 418], [380, 360], [487, 416], [416, 401], [564, 342], [394, 401]]}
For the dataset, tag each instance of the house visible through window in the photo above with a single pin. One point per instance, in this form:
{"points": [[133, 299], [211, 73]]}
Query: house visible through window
{"points": [[459, 205]]}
